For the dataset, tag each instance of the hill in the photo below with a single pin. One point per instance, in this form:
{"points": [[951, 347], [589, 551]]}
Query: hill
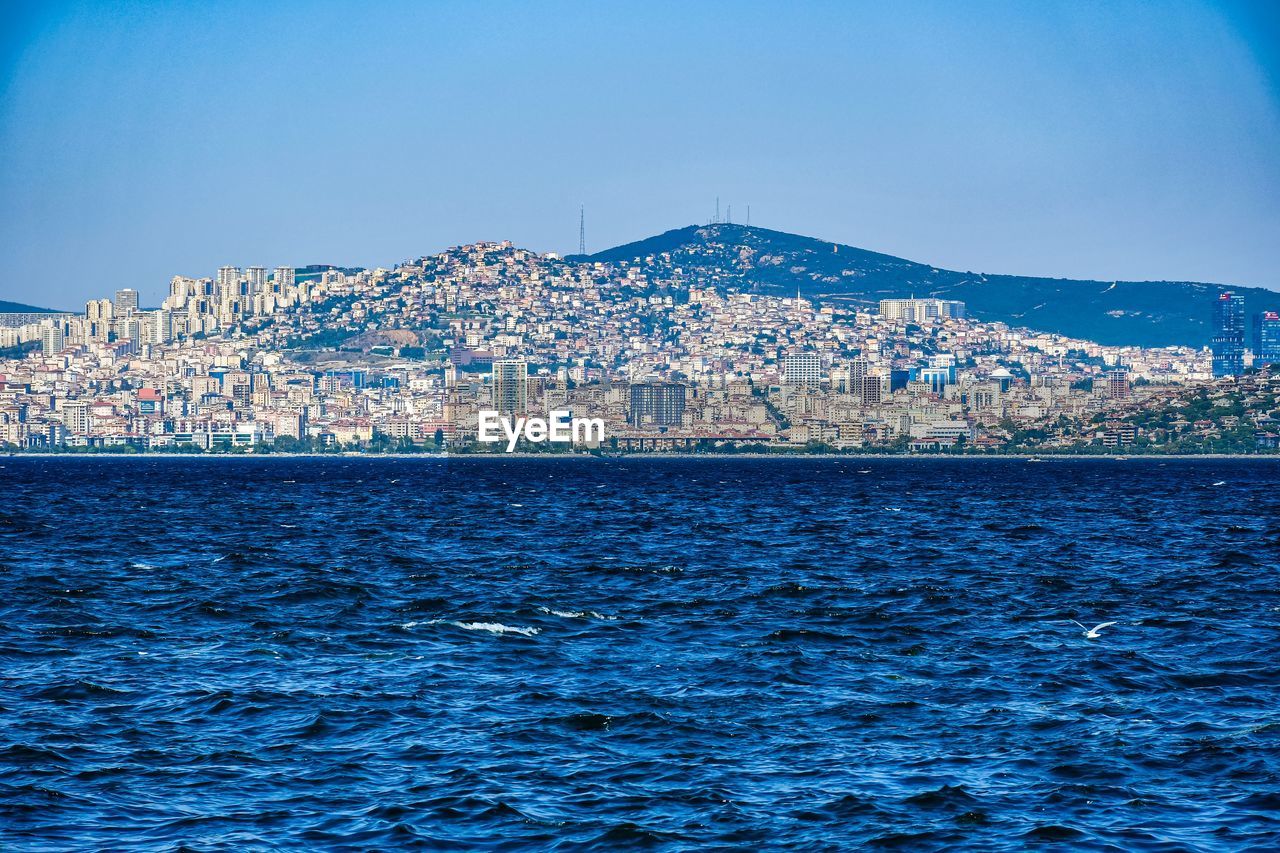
{"points": [[19, 308], [1146, 313]]}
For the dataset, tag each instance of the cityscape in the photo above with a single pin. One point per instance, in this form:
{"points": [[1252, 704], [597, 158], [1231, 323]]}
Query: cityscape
{"points": [[630, 426], [668, 356]]}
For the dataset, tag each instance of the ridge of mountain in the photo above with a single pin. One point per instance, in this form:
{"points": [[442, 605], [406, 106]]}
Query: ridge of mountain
{"points": [[19, 308], [1116, 313]]}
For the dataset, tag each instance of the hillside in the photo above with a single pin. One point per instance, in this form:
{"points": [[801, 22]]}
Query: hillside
{"points": [[19, 308], [1150, 313]]}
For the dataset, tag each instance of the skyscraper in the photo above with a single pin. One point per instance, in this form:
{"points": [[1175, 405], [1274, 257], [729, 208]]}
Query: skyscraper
{"points": [[511, 387], [657, 403], [1228, 335], [1266, 338]]}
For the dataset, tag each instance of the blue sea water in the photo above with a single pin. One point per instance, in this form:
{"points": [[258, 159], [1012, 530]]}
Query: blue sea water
{"points": [[361, 653]]}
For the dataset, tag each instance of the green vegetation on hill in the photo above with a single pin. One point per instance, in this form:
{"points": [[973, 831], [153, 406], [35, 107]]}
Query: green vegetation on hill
{"points": [[1152, 313], [19, 308]]}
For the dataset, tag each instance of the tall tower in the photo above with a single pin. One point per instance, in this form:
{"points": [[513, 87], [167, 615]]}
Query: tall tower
{"points": [[511, 386], [582, 230], [1228, 335], [1266, 338]]}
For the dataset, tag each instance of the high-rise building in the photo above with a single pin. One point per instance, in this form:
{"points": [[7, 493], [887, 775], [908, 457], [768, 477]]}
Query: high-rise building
{"points": [[802, 368], [159, 327], [1266, 338], [282, 280], [256, 278], [657, 403], [1228, 335], [228, 280], [921, 310], [868, 387], [99, 313], [511, 387], [126, 301], [1118, 384], [938, 378], [75, 416], [51, 340]]}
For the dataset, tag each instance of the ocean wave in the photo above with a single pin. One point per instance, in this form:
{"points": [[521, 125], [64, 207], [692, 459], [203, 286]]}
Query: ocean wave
{"points": [[823, 681], [575, 614], [487, 627]]}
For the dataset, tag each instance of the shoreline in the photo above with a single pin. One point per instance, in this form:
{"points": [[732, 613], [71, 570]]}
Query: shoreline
{"points": [[438, 457]]}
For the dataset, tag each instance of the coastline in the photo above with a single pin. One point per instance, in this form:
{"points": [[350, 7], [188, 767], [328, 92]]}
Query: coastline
{"points": [[1011, 457]]}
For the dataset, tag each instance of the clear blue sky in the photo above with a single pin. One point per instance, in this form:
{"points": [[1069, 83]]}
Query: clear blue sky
{"points": [[1102, 140]]}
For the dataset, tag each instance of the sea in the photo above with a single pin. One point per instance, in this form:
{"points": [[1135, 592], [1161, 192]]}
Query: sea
{"points": [[359, 653]]}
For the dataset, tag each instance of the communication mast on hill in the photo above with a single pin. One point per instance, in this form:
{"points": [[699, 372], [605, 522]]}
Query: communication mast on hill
{"points": [[582, 230]]}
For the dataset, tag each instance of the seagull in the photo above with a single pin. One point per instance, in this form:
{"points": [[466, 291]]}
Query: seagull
{"points": [[1092, 633]]}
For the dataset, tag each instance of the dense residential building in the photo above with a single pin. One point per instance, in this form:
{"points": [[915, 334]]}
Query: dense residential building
{"points": [[657, 403], [802, 368], [1118, 384], [511, 387], [126, 302], [921, 310], [665, 357], [51, 337]]}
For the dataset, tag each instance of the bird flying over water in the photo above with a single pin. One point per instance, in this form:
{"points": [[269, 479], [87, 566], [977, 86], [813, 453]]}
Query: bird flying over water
{"points": [[1092, 633]]}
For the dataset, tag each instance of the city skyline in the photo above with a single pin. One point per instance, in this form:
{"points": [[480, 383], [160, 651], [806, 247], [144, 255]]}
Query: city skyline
{"points": [[661, 354], [1061, 140], [640, 425]]}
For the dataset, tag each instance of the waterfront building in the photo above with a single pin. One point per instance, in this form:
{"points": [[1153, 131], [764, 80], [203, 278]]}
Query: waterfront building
{"points": [[510, 386], [657, 403]]}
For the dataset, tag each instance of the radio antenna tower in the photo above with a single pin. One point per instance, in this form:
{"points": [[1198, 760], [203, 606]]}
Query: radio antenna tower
{"points": [[582, 230]]}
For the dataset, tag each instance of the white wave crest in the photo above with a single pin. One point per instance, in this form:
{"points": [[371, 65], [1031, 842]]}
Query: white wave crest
{"points": [[575, 614], [492, 627]]}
